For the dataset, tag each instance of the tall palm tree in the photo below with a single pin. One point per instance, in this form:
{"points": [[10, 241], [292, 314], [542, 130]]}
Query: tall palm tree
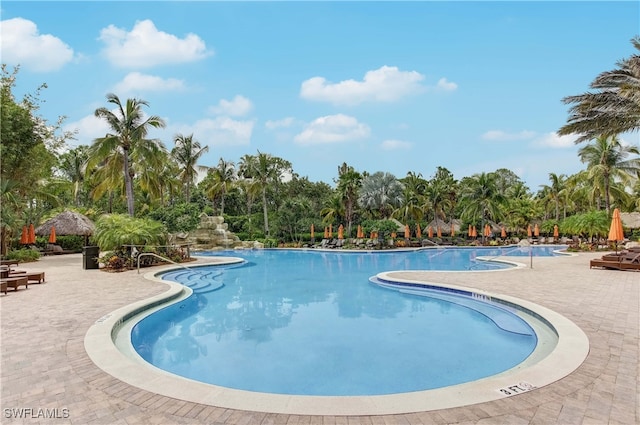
{"points": [[349, 183], [607, 162], [554, 190], [614, 108], [265, 170], [223, 177], [72, 165], [129, 129], [481, 198], [186, 153]]}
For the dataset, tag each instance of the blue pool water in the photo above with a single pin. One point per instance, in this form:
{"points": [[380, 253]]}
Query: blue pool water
{"points": [[310, 323]]}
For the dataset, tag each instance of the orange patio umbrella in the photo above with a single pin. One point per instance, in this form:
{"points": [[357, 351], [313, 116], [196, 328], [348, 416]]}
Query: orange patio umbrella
{"points": [[487, 230], [418, 231], [616, 233], [474, 232], [536, 230], [341, 232], [372, 235], [393, 235], [32, 234], [556, 232], [24, 238], [52, 235], [438, 232], [407, 232], [503, 233], [359, 233], [529, 231], [326, 232], [469, 232], [330, 230], [453, 229], [430, 231]]}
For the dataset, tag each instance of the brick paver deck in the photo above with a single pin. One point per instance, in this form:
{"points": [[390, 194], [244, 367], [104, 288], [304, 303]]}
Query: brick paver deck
{"points": [[44, 364]]}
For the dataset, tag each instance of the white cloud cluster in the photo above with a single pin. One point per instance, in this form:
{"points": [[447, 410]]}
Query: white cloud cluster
{"points": [[386, 84], [502, 136], [553, 140], [238, 106], [393, 145], [145, 46], [283, 123], [445, 85], [332, 129], [23, 45], [137, 82], [221, 131]]}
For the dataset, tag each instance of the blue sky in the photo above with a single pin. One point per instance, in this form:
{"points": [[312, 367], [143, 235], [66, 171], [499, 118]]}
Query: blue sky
{"points": [[382, 86]]}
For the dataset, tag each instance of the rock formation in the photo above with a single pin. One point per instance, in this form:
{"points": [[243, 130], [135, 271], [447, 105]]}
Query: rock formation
{"points": [[213, 233]]}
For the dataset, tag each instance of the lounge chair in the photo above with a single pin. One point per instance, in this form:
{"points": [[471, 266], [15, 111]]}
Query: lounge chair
{"points": [[32, 277], [15, 282], [628, 261]]}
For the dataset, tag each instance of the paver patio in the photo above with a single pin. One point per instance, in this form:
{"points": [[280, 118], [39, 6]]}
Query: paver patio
{"points": [[44, 364]]}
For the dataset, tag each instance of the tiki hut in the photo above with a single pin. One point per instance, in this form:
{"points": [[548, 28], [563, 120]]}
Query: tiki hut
{"points": [[68, 223], [630, 220]]}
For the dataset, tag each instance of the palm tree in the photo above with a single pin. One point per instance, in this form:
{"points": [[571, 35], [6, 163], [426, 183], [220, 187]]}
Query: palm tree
{"points": [[481, 198], [381, 193], [72, 165], [349, 183], [553, 191], [614, 108], [265, 170], [607, 162], [223, 177], [186, 153], [128, 137]]}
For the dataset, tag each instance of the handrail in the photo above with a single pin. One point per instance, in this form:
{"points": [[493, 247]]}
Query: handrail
{"points": [[171, 261]]}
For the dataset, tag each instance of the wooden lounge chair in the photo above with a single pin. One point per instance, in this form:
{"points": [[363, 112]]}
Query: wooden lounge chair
{"points": [[32, 277], [15, 282], [628, 261], [3, 287]]}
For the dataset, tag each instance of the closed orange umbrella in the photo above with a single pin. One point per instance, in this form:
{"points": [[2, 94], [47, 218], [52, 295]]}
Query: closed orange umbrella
{"points": [[418, 231], [529, 231], [24, 238], [556, 232], [469, 232], [372, 234], [341, 232], [407, 232], [52, 235], [616, 233], [330, 230], [487, 230], [536, 230], [32, 234], [474, 232], [438, 231], [393, 235], [326, 232], [430, 231], [359, 233], [453, 229], [503, 233]]}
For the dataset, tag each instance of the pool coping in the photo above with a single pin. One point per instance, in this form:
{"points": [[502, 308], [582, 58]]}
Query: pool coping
{"points": [[571, 351]]}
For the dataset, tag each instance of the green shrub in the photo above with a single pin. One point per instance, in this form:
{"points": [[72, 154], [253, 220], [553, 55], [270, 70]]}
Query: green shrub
{"points": [[116, 230], [23, 255]]}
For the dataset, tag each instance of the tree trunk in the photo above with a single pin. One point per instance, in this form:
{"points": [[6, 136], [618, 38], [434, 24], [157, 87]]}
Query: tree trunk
{"points": [[128, 182], [264, 211]]}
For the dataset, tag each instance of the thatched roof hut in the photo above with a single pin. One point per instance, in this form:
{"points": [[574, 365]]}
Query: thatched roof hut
{"points": [[630, 220], [67, 223]]}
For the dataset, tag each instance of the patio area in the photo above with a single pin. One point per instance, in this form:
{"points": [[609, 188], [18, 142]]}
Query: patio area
{"points": [[44, 364]]}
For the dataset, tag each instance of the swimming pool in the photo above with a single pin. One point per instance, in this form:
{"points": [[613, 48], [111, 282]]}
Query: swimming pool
{"points": [[310, 323]]}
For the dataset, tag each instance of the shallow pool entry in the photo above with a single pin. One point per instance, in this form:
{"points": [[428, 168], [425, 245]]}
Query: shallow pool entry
{"points": [[311, 323]]}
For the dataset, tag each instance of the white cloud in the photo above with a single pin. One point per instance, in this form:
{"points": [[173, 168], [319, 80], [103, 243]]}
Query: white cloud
{"points": [[332, 129], [553, 140], [220, 131], [144, 46], [443, 84], [283, 123], [386, 84], [88, 128], [238, 106], [501, 136], [138, 82], [23, 45], [392, 145]]}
